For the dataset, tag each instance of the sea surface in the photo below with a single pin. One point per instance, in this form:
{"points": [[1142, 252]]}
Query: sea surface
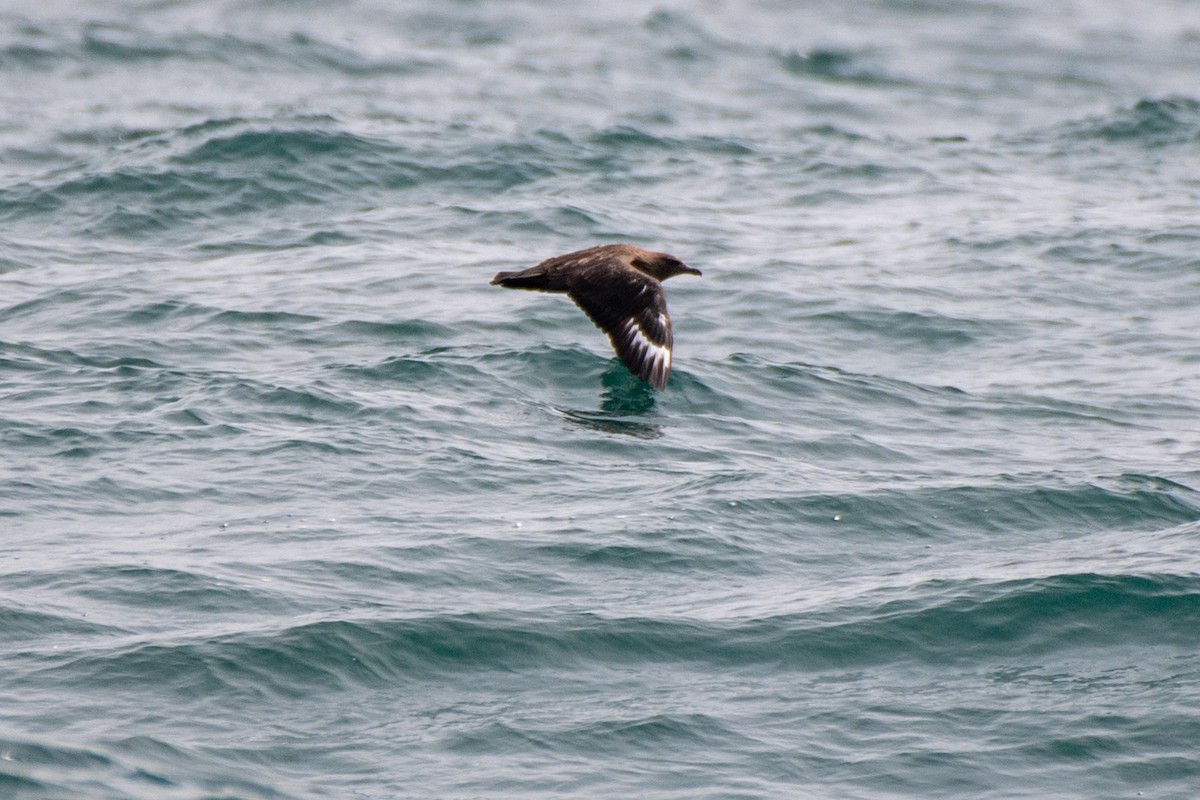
{"points": [[295, 505]]}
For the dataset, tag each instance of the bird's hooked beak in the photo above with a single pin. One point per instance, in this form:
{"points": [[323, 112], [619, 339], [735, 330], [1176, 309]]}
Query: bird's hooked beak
{"points": [[691, 271]]}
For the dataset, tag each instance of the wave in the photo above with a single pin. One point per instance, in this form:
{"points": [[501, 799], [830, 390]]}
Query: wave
{"points": [[936, 622], [120, 45], [1007, 505], [22, 624], [135, 767], [237, 168], [836, 64], [930, 330], [1150, 122], [195, 178], [667, 734]]}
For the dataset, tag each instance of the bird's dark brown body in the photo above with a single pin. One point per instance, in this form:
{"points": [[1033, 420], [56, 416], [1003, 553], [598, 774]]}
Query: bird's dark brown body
{"points": [[619, 286]]}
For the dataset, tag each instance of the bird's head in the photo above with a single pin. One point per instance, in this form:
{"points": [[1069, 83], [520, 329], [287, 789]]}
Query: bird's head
{"points": [[662, 266]]}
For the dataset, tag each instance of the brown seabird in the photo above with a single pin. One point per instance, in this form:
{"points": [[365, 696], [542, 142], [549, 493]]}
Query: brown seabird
{"points": [[618, 286]]}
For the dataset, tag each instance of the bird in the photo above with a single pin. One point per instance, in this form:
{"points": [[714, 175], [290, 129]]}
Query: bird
{"points": [[619, 287]]}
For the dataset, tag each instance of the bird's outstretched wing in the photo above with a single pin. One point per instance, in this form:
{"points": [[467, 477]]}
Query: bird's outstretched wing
{"points": [[632, 309]]}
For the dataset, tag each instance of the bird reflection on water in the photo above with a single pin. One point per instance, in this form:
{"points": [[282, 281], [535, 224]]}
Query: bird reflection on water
{"points": [[623, 400]]}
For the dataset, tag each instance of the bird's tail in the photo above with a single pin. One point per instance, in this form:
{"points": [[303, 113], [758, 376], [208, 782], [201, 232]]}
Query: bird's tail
{"points": [[534, 278]]}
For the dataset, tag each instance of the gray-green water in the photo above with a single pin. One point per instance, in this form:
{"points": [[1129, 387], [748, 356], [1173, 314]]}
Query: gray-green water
{"points": [[295, 505]]}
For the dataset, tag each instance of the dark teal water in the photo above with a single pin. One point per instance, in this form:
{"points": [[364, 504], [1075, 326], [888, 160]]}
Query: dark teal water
{"points": [[295, 505]]}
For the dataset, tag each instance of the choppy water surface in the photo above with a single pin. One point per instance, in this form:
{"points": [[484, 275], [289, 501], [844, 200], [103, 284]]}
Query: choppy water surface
{"points": [[296, 505]]}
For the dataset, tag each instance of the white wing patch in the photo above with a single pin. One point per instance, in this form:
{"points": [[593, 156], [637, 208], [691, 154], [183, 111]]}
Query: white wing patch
{"points": [[655, 359]]}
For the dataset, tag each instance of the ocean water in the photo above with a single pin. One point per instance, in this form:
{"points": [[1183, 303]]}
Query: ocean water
{"points": [[295, 505]]}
